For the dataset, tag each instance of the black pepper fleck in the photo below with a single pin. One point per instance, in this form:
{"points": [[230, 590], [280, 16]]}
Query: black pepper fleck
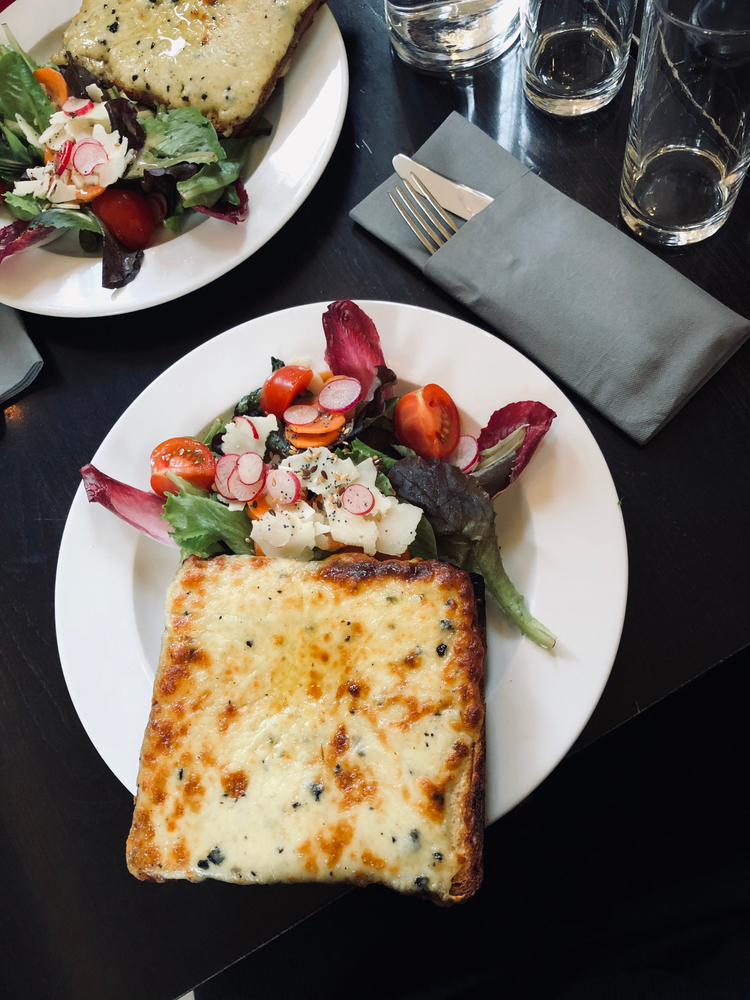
{"points": [[422, 882], [203, 864], [113, 27], [216, 856], [249, 642], [414, 834], [296, 805], [317, 789], [437, 856], [442, 649]]}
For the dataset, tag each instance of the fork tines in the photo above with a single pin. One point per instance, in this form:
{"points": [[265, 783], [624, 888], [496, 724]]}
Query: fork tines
{"points": [[419, 215]]}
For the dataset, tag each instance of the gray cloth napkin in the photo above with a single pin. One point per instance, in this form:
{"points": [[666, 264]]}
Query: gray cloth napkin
{"points": [[598, 310], [19, 359]]}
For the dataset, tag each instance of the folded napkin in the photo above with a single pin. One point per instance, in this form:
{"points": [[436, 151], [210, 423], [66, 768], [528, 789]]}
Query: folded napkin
{"points": [[19, 360], [598, 310]]}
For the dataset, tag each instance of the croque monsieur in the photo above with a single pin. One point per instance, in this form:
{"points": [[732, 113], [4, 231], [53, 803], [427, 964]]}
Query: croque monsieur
{"points": [[316, 721], [222, 57]]}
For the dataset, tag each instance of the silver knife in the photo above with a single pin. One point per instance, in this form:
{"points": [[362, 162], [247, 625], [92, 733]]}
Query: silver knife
{"points": [[459, 199]]}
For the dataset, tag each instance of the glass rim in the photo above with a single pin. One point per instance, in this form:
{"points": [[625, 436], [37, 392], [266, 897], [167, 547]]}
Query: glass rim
{"points": [[696, 28]]}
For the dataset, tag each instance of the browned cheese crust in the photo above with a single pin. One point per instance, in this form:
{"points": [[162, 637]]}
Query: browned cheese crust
{"points": [[316, 721]]}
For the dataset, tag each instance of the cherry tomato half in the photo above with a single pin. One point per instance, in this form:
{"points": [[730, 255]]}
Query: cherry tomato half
{"points": [[282, 387], [127, 215], [427, 421], [186, 458]]}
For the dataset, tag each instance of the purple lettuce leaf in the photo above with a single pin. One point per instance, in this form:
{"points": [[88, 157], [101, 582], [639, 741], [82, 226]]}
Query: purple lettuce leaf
{"points": [[140, 509], [226, 211], [508, 442], [20, 235], [124, 119]]}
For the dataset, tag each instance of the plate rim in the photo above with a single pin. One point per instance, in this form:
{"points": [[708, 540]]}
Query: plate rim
{"points": [[498, 803], [324, 32]]}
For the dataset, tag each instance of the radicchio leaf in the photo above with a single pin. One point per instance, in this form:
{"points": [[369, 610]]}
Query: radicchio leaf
{"points": [[534, 417], [78, 78], [225, 211], [119, 264], [352, 343], [20, 235], [163, 180], [124, 119], [140, 509]]}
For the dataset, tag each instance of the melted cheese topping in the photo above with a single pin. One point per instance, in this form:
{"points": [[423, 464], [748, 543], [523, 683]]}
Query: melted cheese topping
{"points": [[311, 721], [214, 55]]}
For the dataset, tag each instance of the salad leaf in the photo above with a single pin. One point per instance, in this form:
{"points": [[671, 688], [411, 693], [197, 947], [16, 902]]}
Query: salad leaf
{"points": [[182, 135], [517, 427], [13, 46], [20, 235], [424, 545], [352, 343], [202, 526], [163, 180], [77, 77], [123, 118], [23, 206], [228, 210], [64, 218], [20, 94], [206, 187], [15, 155], [463, 519], [119, 264], [140, 509]]}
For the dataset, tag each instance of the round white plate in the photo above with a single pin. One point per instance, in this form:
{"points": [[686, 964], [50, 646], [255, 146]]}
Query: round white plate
{"points": [[307, 111], [560, 528]]}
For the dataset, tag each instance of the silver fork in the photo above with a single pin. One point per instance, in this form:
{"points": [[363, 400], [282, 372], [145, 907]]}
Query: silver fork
{"points": [[418, 209]]}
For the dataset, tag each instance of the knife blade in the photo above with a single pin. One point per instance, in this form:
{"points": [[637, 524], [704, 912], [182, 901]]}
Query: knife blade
{"points": [[457, 198]]}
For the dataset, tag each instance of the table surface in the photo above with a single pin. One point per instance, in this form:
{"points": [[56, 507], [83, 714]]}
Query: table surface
{"points": [[76, 924]]}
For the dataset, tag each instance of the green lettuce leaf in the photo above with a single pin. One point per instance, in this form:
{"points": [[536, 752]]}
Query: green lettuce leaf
{"points": [[16, 156], [64, 218], [182, 135], [208, 185], [202, 526], [23, 206], [463, 519], [20, 94]]}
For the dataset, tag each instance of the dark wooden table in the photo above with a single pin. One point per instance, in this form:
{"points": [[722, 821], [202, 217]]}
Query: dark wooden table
{"points": [[75, 925]]}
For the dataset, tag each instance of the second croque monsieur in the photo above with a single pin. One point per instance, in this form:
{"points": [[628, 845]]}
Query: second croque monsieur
{"points": [[316, 721]]}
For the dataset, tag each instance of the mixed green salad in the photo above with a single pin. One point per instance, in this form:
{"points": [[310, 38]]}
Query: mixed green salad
{"points": [[76, 156], [312, 463]]}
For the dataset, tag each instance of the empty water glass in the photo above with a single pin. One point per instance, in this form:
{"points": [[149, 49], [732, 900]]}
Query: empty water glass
{"points": [[575, 52], [689, 143], [451, 37]]}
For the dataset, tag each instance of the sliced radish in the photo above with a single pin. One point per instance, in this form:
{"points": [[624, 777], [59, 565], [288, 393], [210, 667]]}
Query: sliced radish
{"points": [[250, 468], [283, 485], [244, 491], [339, 394], [301, 414], [466, 455], [74, 107], [88, 154], [357, 499], [224, 469], [247, 423], [62, 156]]}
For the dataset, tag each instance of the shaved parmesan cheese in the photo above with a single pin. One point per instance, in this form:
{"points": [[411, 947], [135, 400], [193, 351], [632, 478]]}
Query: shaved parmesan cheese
{"points": [[245, 434]]}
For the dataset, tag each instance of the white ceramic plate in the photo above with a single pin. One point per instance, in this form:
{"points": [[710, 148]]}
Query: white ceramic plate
{"points": [[560, 528], [307, 111]]}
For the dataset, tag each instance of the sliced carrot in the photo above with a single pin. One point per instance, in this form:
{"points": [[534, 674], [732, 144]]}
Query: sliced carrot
{"points": [[325, 375], [49, 154], [89, 193], [325, 423], [54, 83], [303, 441], [257, 508]]}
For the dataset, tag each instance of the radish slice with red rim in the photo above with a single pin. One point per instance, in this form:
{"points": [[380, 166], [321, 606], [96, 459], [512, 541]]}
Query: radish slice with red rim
{"points": [[244, 491], [301, 414], [224, 469], [357, 499], [62, 156], [247, 423], [283, 485], [250, 468], [340, 394], [74, 107], [466, 455], [88, 154]]}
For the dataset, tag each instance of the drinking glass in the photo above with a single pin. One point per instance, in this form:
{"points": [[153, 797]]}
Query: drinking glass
{"points": [[687, 150], [575, 52], [451, 37]]}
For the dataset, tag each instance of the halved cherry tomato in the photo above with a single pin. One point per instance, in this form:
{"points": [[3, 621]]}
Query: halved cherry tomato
{"points": [[127, 215], [282, 387], [427, 421], [186, 458]]}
